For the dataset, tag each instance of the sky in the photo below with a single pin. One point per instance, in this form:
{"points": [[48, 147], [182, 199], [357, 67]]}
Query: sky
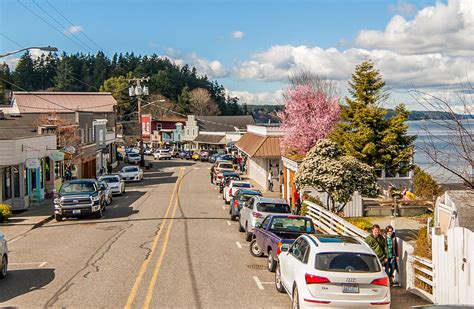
{"points": [[252, 46]]}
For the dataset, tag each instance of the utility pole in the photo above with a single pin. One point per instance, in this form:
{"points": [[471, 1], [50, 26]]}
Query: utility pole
{"points": [[137, 90]]}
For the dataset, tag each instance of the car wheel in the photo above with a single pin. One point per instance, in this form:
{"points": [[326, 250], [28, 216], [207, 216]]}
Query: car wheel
{"points": [[271, 264], [295, 300], [4, 269], [58, 218], [255, 249], [233, 218], [241, 229], [278, 285], [248, 236]]}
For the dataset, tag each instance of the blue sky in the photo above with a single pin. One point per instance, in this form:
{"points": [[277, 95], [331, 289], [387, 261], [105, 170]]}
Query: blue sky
{"points": [[252, 46]]}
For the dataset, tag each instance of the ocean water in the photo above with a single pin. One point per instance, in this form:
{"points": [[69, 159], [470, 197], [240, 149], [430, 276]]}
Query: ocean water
{"points": [[434, 131]]}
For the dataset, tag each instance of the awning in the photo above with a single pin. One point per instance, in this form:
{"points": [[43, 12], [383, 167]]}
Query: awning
{"points": [[259, 146], [210, 139]]}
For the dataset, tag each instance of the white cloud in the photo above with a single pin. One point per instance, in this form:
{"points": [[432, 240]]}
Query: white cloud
{"points": [[447, 29], [255, 98], [238, 35], [210, 68], [403, 8], [12, 61], [73, 29]]}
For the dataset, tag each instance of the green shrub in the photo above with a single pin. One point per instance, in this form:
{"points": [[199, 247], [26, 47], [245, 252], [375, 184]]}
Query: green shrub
{"points": [[303, 209], [5, 212], [361, 223], [424, 186]]}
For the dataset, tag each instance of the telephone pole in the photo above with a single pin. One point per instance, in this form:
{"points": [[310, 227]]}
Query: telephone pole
{"points": [[137, 90]]}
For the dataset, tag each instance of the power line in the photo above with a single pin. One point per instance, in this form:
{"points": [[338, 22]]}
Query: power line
{"points": [[9, 39], [72, 24]]}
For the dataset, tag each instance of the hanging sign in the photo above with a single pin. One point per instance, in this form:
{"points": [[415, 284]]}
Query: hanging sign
{"points": [[69, 150], [32, 163], [56, 156]]}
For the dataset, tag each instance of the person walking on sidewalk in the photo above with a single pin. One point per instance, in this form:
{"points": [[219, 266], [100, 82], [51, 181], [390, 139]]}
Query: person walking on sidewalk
{"points": [[212, 173], [378, 244], [270, 180], [392, 252]]}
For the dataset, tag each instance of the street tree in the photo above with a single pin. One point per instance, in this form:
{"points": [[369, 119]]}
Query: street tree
{"points": [[24, 75], [325, 168], [202, 104], [365, 132], [308, 116], [118, 87], [65, 79]]}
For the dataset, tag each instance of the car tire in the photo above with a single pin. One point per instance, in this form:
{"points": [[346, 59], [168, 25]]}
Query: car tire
{"points": [[255, 249], [241, 229], [278, 285], [271, 263], [248, 236], [4, 269], [233, 218], [295, 300], [58, 218]]}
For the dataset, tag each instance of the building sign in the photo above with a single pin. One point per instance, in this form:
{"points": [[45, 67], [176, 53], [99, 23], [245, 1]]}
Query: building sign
{"points": [[69, 150], [32, 163], [56, 156], [146, 125]]}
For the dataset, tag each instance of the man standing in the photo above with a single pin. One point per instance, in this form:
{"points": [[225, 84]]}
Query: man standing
{"points": [[378, 244], [270, 180], [212, 173]]}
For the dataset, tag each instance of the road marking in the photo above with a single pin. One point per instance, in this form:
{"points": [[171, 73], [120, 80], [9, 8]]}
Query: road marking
{"points": [[138, 280], [196, 168], [39, 264], [259, 284], [42, 264], [239, 245], [228, 223], [156, 271]]}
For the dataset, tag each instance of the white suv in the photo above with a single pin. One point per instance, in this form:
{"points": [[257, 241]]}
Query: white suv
{"points": [[3, 256], [162, 154], [322, 271], [233, 187]]}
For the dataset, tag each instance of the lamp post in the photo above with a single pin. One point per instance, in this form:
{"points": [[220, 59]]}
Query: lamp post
{"points": [[139, 91], [47, 48]]}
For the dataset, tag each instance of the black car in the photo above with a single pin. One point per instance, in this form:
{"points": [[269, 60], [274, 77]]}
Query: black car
{"points": [[80, 197], [226, 178]]}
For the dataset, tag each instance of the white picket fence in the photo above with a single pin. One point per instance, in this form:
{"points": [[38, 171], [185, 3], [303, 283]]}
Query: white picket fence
{"points": [[353, 209]]}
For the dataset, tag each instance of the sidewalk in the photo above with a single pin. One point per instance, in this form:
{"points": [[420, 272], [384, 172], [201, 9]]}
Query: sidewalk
{"points": [[274, 194], [20, 223]]}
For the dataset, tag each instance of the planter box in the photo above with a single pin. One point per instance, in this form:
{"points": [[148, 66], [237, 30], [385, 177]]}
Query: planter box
{"points": [[411, 210], [378, 211]]}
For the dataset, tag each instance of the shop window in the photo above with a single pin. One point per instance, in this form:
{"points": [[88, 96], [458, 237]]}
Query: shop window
{"points": [[25, 181], [47, 168], [34, 184], [7, 184], [58, 169], [42, 173], [16, 181]]}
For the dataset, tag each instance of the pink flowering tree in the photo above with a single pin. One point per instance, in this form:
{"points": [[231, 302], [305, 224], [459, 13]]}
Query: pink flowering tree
{"points": [[309, 115]]}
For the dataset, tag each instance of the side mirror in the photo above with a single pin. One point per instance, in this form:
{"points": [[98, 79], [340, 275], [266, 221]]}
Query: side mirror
{"points": [[285, 247], [258, 225]]}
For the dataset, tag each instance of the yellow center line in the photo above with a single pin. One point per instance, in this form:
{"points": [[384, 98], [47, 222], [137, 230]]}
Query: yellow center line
{"points": [[138, 280], [154, 278]]}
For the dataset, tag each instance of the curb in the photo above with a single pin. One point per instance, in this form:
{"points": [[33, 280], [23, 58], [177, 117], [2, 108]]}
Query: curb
{"points": [[42, 222]]}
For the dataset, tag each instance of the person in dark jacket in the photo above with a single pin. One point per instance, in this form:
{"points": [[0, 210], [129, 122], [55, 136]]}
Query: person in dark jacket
{"points": [[392, 252], [213, 169], [378, 244]]}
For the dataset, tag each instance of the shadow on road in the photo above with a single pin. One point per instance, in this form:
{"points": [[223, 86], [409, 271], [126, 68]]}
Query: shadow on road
{"points": [[22, 281]]}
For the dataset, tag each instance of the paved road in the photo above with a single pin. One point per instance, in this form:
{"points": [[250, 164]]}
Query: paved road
{"points": [[166, 243]]}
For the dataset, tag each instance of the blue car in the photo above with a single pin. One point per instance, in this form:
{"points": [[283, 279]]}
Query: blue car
{"points": [[238, 200]]}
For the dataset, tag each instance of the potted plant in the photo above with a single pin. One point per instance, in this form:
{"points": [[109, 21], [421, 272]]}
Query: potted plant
{"points": [[5, 212]]}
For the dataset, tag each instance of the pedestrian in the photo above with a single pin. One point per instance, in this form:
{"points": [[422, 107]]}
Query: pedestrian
{"points": [[241, 163], [392, 252], [68, 174], [296, 201], [378, 244], [270, 180], [109, 168], [213, 169]]}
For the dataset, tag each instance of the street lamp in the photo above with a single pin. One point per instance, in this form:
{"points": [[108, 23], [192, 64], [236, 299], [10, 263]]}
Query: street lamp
{"points": [[47, 49]]}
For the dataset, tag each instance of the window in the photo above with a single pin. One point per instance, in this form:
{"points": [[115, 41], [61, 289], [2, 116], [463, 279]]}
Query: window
{"points": [[47, 166], [297, 225], [25, 180], [347, 262], [16, 181], [273, 208], [58, 169], [7, 184], [34, 184], [300, 250], [159, 126], [265, 222]]}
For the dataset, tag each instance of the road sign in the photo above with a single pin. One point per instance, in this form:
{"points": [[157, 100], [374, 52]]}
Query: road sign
{"points": [[69, 150]]}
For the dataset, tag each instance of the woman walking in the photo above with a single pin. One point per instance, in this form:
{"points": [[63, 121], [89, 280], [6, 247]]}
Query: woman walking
{"points": [[393, 255]]}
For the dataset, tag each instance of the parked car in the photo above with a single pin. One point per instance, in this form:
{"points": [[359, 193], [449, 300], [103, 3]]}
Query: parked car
{"points": [[226, 178], [131, 173], [226, 157], [335, 271], [196, 156], [204, 156], [222, 166], [133, 158], [213, 157], [3, 256], [233, 186], [182, 154], [256, 209], [238, 200], [107, 191], [276, 230], [174, 152], [149, 151], [160, 154], [79, 197], [188, 155], [115, 182]]}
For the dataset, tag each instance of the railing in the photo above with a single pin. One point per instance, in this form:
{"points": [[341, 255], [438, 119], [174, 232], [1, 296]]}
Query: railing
{"points": [[331, 223], [423, 276]]}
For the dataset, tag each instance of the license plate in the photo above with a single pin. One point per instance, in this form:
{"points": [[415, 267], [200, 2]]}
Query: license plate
{"points": [[350, 288], [76, 211]]}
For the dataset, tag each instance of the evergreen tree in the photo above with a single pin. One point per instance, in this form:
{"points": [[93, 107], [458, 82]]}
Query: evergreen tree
{"points": [[184, 101], [64, 80], [5, 87], [25, 75], [365, 132]]}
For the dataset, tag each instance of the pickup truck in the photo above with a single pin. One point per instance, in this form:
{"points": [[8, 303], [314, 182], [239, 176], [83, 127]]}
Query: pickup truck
{"points": [[276, 230]]}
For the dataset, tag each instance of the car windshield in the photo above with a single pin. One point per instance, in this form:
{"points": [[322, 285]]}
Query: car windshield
{"points": [[347, 262], [132, 154], [110, 179], [246, 197], [242, 185], [130, 169], [226, 165], [300, 225], [274, 208], [84, 187]]}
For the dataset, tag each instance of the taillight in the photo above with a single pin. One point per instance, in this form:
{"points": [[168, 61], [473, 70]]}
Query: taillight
{"points": [[236, 204], [230, 191], [256, 214], [381, 281], [279, 248], [313, 279]]}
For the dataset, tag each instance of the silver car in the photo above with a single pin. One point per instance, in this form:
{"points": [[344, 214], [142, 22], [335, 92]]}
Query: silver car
{"points": [[256, 209], [115, 182], [3, 256]]}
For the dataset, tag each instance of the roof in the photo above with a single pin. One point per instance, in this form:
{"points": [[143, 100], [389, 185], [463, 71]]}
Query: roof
{"points": [[463, 200], [82, 181], [271, 200], [259, 146], [340, 243], [224, 123], [171, 119], [210, 139], [250, 192], [18, 127], [64, 102]]}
